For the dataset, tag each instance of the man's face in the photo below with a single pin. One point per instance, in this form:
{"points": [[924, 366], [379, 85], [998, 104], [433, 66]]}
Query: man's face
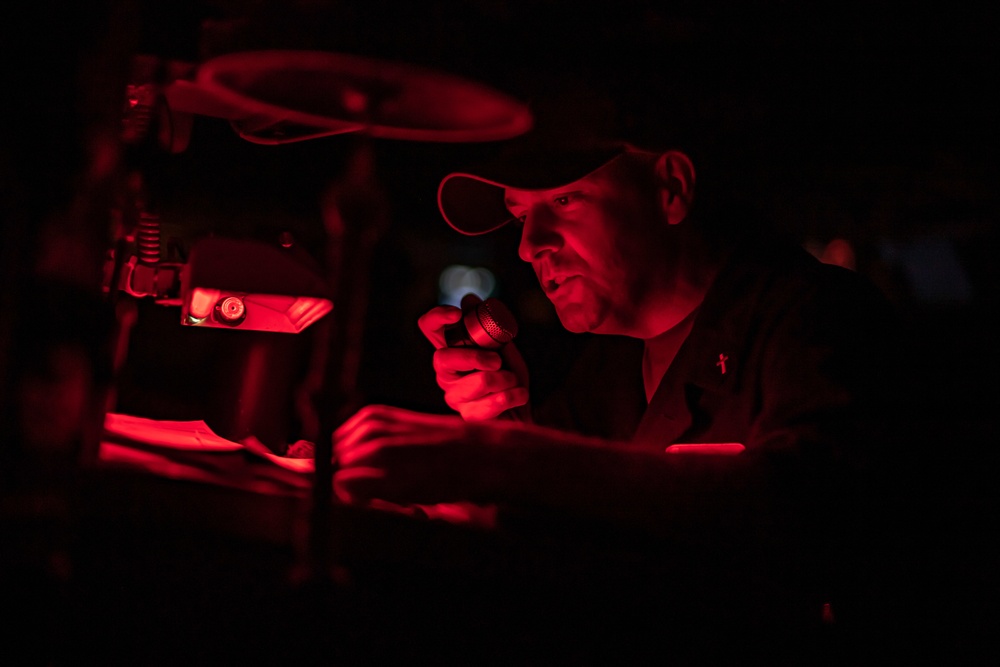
{"points": [[595, 246]]}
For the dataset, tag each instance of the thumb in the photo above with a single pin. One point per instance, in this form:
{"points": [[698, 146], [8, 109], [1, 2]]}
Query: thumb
{"points": [[470, 300]]}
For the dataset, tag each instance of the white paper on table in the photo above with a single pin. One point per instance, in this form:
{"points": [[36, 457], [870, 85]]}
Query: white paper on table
{"points": [[187, 435], [193, 436]]}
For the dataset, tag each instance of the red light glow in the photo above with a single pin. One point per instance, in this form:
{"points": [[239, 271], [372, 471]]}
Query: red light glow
{"points": [[723, 448]]}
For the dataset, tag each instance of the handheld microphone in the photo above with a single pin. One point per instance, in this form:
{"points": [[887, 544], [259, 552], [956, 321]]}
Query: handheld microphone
{"points": [[488, 324]]}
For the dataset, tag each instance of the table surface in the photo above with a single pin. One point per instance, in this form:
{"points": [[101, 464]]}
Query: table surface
{"points": [[210, 556]]}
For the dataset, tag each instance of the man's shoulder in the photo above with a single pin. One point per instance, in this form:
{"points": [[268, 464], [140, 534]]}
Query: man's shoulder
{"points": [[771, 281], [777, 264]]}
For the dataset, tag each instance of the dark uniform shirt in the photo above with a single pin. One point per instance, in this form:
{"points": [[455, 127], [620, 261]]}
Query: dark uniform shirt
{"points": [[801, 363]]}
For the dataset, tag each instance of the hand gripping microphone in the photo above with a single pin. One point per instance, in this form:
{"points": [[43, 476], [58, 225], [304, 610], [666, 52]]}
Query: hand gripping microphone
{"points": [[488, 324]]}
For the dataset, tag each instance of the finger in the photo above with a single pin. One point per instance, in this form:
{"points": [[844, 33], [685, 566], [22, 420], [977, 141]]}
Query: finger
{"points": [[378, 422], [354, 453], [451, 363], [492, 406], [362, 437], [433, 322], [477, 385], [366, 415], [375, 447], [374, 414], [386, 506], [401, 419], [357, 485], [470, 300]]}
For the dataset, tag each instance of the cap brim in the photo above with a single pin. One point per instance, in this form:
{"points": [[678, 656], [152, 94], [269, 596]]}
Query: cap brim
{"points": [[473, 204]]}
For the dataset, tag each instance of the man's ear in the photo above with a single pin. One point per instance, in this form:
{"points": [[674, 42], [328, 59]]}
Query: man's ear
{"points": [[675, 181]]}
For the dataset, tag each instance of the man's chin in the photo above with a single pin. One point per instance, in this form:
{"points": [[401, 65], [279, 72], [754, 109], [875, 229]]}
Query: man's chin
{"points": [[576, 320]]}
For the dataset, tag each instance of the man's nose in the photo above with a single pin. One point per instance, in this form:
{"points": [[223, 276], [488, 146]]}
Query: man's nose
{"points": [[539, 234]]}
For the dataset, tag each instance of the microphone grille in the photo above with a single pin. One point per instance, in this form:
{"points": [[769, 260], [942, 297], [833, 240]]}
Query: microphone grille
{"points": [[497, 320]]}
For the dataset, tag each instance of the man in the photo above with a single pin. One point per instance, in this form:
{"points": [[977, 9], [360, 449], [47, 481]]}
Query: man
{"points": [[739, 396]]}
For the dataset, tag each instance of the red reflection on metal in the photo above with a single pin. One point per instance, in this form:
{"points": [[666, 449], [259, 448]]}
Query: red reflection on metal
{"points": [[277, 96], [724, 448], [288, 296]]}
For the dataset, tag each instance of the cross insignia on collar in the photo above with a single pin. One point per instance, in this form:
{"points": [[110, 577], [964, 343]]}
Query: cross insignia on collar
{"points": [[721, 363]]}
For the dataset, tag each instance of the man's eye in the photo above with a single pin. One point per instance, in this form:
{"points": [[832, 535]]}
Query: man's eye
{"points": [[567, 199]]}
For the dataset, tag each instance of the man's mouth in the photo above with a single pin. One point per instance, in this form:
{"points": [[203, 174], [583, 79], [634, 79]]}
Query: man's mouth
{"points": [[553, 284]]}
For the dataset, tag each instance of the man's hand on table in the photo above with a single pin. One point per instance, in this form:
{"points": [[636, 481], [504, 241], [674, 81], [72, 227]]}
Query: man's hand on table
{"points": [[418, 463]]}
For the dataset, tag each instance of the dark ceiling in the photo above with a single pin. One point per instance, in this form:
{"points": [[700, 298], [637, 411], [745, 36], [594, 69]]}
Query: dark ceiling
{"points": [[777, 91], [839, 69]]}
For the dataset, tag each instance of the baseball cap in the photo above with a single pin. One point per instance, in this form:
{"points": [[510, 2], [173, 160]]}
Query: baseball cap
{"points": [[473, 203]]}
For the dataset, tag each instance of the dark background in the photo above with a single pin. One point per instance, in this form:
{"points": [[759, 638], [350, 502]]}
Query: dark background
{"points": [[867, 122], [870, 122]]}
